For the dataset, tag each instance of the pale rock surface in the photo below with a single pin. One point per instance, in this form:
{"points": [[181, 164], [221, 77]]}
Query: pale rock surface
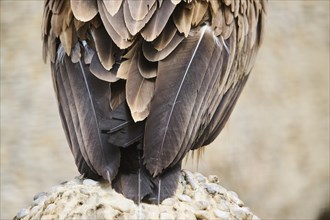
{"points": [[197, 197]]}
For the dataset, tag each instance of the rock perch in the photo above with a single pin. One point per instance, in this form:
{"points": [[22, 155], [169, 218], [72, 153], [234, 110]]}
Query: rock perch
{"points": [[197, 197]]}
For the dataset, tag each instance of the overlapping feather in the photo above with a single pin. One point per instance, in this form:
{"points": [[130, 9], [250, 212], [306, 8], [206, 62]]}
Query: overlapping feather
{"points": [[139, 91], [159, 57]]}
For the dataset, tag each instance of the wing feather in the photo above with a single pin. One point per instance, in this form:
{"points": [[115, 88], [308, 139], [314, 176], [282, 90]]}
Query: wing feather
{"points": [[165, 37], [153, 55], [84, 10], [70, 122], [173, 103], [134, 26], [112, 6], [140, 8], [89, 113], [116, 21], [100, 72], [208, 95], [105, 48], [182, 18], [199, 11], [117, 38], [158, 21], [139, 92], [146, 68]]}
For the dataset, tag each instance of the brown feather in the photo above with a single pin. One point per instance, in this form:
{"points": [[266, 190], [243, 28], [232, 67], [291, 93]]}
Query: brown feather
{"points": [[154, 55], [227, 2], [100, 72], [84, 10], [176, 66], [69, 122], [214, 5], [217, 23], [105, 48], [112, 6], [51, 44], [140, 8], [119, 41], [199, 10], [134, 26], [158, 21], [116, 21], [66, 39], [122, 72], [236, 10], [182, 18], [56, 6], [57, 23], [241, 32], [209, 95], [125, 64], [146, 68], [166, 36], [118, 94], [89, 111], [231, 45], [139, 92], [227, 29], [173, 102], [229, 17]]}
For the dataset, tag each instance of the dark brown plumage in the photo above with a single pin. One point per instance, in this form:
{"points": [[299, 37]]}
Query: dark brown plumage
{"points": [[140, 83]]}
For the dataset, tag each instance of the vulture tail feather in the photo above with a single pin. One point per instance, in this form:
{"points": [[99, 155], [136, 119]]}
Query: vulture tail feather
{"points": [[68, 119], [174, 102], [87, 114]]}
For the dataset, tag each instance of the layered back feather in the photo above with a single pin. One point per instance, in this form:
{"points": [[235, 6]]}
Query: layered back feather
{"points": [[141, 82]]}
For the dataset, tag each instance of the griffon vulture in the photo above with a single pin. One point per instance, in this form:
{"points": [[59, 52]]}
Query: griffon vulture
{"points": [[139, 83]]}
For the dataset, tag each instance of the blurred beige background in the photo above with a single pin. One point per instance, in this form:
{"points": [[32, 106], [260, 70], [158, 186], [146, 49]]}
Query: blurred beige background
{"points": [[274, 152]]}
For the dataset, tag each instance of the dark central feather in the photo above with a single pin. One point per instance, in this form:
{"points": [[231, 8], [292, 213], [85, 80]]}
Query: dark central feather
{"points": [[177, 87]]}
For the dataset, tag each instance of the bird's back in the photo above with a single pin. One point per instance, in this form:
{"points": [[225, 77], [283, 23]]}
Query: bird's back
{"points": [[140, 83]]}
